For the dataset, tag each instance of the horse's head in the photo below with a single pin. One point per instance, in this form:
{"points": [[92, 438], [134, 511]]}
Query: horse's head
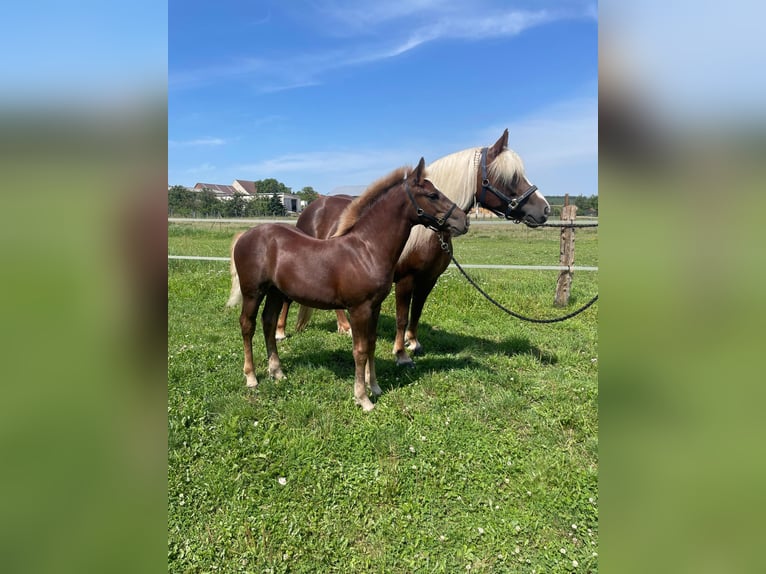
{"points": [[505, 189], [432, 208]]}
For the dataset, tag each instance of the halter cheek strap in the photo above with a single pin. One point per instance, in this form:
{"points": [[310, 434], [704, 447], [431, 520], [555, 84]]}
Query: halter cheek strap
{"points": [[431, 222], [512, 204]]}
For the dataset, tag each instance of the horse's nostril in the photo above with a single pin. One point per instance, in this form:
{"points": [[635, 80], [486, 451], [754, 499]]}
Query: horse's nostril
{"points": [[547, 210]]}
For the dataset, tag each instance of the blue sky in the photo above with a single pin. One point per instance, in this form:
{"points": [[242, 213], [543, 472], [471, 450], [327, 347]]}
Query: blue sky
{"points": [[328, 93]]}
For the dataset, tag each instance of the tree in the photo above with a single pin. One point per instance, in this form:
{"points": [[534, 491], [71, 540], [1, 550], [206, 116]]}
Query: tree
{"points": [[208, 204], [275, 206], [180, 201], [308, 194], [257, 207], [234, 207], [587, 205], [271, 186]]}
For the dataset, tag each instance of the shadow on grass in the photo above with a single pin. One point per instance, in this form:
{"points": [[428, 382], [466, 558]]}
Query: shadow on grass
{"points": [[444, 351]]}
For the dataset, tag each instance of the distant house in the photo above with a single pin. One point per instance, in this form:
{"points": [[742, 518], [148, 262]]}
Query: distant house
{"points": [[219, 190], [249, 190], [245, 187]]}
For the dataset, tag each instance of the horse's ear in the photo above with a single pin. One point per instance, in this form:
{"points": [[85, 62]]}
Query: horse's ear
{"points": [[418, 173], [498, 147]]}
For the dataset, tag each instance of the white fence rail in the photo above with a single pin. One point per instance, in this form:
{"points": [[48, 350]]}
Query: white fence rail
{"points": [[477, 266]]}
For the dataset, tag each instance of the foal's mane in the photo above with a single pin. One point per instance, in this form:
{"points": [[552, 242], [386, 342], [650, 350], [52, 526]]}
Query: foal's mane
{"points": [[359, 206]]}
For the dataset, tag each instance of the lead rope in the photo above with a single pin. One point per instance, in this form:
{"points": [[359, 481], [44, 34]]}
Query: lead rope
{"points": [[445, 247]]}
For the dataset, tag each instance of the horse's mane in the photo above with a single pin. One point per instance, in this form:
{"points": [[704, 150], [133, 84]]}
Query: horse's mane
{"points": [[456, 175], [374, 191]]}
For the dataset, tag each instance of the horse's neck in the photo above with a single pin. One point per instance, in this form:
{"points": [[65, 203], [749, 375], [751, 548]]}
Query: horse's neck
{"points": [[387, 225]]}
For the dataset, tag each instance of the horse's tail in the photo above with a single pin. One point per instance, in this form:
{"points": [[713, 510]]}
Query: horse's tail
{"points": [[235, 295], [304, 316]]}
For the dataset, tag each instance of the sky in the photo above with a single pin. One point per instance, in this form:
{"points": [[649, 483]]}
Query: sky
{"points": [[332, 93]]}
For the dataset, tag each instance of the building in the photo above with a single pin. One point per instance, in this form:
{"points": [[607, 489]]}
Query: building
{"points": [[249, 190]]}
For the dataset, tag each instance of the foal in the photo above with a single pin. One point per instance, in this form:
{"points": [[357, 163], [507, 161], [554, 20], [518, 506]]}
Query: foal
{"points": [[351, 270]]}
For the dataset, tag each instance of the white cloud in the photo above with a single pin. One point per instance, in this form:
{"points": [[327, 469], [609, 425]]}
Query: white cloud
{"points": [[330, 162], [204, 141], [405, 25], [326, 170], [559, 135], [199, 169]]}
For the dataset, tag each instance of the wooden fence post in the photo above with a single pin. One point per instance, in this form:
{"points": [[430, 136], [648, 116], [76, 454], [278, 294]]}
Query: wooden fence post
{"points": [[566, 254]]}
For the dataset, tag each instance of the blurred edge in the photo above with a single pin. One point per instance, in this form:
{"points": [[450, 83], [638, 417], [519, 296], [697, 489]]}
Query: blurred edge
{"points": [[681, 186], [83, 432]]}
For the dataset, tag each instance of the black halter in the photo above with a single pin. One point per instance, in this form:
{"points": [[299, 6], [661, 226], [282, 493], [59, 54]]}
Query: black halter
{"points": [[511, 205], [427, 219]]}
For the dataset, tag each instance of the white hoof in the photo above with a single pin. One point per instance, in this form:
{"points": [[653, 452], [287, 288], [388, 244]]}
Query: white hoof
{"points": [[365, 403]]}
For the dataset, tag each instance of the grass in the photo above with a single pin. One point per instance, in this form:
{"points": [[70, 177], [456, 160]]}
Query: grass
{"points": [[483, 457]]}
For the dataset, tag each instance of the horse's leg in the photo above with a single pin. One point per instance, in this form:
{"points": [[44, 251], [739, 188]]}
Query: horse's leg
{"points": [[269, 317], [343, 325], [403, 292], [360, 319], [423, 288], [372, 337], [281, 335], [250, 306]]}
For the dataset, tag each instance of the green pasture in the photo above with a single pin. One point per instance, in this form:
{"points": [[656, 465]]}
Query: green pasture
{"points": [[483, 458]]}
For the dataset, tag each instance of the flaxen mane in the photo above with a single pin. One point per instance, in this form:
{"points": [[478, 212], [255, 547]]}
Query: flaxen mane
{"points": [[456, 175], [356, 208]]}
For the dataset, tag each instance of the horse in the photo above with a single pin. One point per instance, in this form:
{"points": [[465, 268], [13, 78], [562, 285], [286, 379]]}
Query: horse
{"points": [[353, 269], [492, 177]]}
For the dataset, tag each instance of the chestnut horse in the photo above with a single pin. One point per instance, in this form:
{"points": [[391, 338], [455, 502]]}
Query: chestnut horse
{"points": [[492, 177], [353, 269]]}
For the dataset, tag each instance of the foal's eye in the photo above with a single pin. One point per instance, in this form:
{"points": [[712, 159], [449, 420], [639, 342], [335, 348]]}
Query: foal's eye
{"points": [[433, 195]]}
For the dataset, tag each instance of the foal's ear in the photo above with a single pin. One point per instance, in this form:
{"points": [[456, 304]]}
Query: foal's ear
{"points": [[419, 170], [498, 147]]}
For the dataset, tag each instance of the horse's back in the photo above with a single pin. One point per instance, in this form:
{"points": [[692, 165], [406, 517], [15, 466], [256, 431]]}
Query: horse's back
{"points": [[321, 216], [255, 252]]}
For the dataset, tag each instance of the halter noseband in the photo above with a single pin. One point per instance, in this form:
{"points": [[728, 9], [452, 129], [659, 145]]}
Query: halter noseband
{"points": [[512, 205], [427, 219]]}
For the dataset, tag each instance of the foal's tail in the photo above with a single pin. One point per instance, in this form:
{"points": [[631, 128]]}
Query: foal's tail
{"points": [[235, 295], [304, 316]]}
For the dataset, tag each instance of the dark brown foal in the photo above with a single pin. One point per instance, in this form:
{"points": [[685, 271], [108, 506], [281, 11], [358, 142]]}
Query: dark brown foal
{"points": [[351, 270]]}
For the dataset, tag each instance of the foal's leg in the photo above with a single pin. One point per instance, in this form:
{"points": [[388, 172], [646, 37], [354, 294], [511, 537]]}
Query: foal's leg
{"points": [[281, 335], [360, 319], [403, 292], [372, 337], [274, 303], [423, 287], [344, 327], [250, 306]]}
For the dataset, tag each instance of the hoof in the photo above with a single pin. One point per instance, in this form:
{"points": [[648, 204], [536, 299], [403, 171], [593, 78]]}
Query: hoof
{"points": [[376, 391], [415, 348], [280, 336], [252, 382], [404, 361], [365, 403], [277, 374]]}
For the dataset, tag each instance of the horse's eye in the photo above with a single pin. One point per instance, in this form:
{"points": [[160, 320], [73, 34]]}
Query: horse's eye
{"points": [[433, 195]]}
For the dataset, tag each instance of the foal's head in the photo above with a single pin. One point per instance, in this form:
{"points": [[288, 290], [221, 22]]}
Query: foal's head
{"points": [[430, 206], [426, 204]]}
